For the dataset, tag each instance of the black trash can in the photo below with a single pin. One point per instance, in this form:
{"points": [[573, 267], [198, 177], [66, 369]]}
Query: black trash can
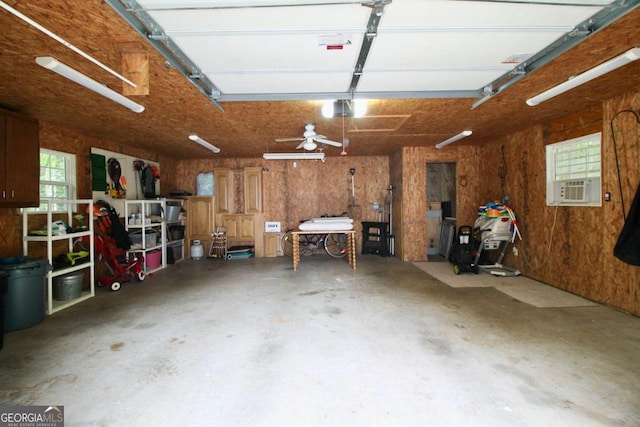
{"points": [[3, 290], [25, 300]]}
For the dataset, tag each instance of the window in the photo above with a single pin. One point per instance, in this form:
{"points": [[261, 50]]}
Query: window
{"points": [[573, 171], [57, 179]]}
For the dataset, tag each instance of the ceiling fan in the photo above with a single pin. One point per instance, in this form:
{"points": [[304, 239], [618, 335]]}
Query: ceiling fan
{"points": [[310, 138]]}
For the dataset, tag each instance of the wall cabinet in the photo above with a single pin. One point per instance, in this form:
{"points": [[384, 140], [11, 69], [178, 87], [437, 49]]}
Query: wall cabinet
{"points": [[244, 229], [272, 247], [253, 190], [201, 219], [19, 160], [240, 227], [223, 188]]}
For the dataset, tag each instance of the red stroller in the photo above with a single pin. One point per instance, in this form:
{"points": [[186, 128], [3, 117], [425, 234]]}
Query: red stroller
{"points": [[122, 265]]}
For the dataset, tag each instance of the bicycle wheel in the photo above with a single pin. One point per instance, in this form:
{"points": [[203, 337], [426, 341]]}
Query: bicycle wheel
{"points": [[336, 244], [287, 243]]}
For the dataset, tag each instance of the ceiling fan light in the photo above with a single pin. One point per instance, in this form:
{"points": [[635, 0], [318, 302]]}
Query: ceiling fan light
{"points": [[309, 145]]}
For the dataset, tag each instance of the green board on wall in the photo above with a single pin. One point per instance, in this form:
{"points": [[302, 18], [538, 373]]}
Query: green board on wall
{"points": [[98, 172]]}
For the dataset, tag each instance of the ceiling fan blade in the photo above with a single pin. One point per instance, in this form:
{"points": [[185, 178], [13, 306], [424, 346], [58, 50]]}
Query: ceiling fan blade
{"points": [[289, 139], [329, 142], [304, 141]]}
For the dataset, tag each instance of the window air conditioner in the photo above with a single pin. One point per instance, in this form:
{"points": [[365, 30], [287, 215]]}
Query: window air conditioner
{"points": [[574, 191]]}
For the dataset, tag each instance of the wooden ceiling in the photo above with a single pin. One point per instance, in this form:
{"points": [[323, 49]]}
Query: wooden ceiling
{"points": [[175, 108]]}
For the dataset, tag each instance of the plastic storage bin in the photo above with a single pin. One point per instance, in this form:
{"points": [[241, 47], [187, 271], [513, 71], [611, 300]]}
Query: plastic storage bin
{"points": [[150, 238], [153, 260], [25, 301], [176, 232]]}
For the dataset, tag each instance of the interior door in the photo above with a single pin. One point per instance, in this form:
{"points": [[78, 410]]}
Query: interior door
{"points": [[441, 204]]}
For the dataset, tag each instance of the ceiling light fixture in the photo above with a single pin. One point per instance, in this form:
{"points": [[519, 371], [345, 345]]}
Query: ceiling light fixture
{"points": [[344, 108], [205, 144], [58, 67], [293, 156], [612, 64], [453, 139]]}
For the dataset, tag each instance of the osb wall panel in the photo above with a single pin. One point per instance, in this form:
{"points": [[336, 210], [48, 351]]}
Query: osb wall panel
{"points": [[621, 135], [414, 193], [568, 247], [395, 180], [61, 138], [310, 189]]}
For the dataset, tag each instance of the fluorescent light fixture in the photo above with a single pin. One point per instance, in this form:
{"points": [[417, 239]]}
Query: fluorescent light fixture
{"points": [[205, 144], [63, 42], [293, 156], [453, 139], [612, 64], [56, 66]]}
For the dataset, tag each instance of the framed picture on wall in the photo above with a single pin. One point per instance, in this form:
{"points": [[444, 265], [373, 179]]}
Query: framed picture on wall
{"points": [[204, 184]]}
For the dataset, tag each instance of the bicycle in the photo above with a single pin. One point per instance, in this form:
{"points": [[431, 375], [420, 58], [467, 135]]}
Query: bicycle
{"points": [[334, 244]]}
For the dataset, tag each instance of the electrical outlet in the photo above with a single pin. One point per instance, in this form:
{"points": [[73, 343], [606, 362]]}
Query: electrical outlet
{"points": [[515, 251]]}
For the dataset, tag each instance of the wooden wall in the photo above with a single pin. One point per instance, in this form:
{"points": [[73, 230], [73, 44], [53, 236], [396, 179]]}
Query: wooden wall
{"points": [[570, 247], [567, 247], [396, 169], [412, 242], [310, 189]]}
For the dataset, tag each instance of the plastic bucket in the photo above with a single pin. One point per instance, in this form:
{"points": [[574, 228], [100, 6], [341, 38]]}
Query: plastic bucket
{"points": [[173, 213], [68, 287]]}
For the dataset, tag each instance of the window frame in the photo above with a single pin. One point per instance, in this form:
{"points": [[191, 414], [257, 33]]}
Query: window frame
{"points": [[69, 182], [577, 166]]}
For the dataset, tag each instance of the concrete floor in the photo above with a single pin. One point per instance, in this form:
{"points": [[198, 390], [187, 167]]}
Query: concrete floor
{"points": [[251, 343]]}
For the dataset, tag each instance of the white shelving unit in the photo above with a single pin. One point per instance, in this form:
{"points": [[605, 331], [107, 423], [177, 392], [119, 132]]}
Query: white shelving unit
{"points": [[49, 236], [175, 245], [148, 218]]}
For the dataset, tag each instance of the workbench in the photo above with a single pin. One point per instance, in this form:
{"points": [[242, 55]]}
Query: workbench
{"points": [[351, 245]]}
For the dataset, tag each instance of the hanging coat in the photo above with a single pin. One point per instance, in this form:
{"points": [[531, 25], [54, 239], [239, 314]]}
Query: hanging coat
{"points": [[627, 248]]}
